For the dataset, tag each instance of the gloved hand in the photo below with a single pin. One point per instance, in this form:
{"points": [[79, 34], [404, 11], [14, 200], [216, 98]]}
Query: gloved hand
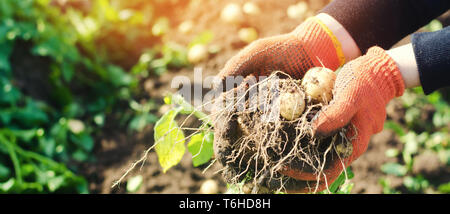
{"points": [[362, 90], [311, 44]]}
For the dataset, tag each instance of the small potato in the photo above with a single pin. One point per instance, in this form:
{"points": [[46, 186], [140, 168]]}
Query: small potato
{"points": [[318, 83], [251, 8], [197, 53], [232, 13], [292, 104], [344, 150], [186, 27], [248, 35], [209, 187], [297, 11]]}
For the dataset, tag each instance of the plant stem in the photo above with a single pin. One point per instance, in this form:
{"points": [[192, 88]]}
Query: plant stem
{"points": [[187, 108], [15, 149], [13, 156]]}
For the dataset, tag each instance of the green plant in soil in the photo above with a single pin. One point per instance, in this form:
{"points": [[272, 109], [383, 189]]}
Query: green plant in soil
{"points": [[85, 81], [170, 138]]}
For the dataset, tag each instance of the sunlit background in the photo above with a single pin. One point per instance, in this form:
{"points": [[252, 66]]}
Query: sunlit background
{"points": [[82, 84]]}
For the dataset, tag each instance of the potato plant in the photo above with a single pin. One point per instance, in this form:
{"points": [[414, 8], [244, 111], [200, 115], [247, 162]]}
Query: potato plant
{"points": [[85, 79], [170, 138]]}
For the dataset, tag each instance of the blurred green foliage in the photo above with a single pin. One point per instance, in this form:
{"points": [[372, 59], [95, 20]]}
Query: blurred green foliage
{"points": [[96, 52], [425, 130]]}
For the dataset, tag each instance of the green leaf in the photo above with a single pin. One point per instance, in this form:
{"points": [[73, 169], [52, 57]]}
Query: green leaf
{"points": [[99, 119], [201, 148], [175, 55], [204, 38], [168, 99], [118, 76], [444, 188], [134, 183], [55, 183], [6, 50], [169, 140], [394, 169], [27, 169], [394, 127], [84, 141], [392, 153], [387, 189], [80, 155], [25, 135], [8, 93], [141, 120], [161, 26], [59, 133], [415, 184], [67, 71], [412, 115], [411, 146], [235, 188], [6, 9], [32, 114], [346, 188], [4, 172], [444, 156], [434, 25], [341, 180], [187, 108], [441, 119], [8, 185], [73, 110], [48, 146], [82, 186]]}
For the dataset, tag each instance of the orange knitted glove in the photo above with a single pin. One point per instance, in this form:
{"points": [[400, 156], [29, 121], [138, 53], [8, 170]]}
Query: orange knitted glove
{"points": [[310, 44], [363, 88]]}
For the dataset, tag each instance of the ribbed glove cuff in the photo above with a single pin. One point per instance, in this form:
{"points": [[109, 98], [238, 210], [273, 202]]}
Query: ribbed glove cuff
{"points": [[385, 73], [321, 43]]}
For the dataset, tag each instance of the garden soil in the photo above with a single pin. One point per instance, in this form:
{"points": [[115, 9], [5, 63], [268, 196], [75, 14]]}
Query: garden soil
{"points": [[116, 149]]}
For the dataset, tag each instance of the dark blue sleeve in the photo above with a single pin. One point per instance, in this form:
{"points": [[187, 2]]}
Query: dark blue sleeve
{"points": [[384, 22], [432, 52]]}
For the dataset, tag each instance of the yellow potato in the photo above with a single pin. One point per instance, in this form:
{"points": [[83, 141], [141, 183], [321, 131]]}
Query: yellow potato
{"points": [[318, 83], [232, 13], [248, 35], [197, 53], [292, 104]]}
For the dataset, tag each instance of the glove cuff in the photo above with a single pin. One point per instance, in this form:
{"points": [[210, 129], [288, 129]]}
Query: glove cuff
{"points": [[321, 43], [386, 73]]}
